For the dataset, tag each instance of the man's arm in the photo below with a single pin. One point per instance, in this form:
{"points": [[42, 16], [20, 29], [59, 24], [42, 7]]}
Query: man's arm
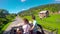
{"points": [[34, 23]]}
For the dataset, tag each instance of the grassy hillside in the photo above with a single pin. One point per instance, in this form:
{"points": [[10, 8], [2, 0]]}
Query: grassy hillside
{"points": [[49, 23], [50, 7]]}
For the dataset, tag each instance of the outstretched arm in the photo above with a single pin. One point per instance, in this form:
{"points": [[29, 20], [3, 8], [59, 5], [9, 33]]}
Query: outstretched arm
{"points": [[34, 23]]}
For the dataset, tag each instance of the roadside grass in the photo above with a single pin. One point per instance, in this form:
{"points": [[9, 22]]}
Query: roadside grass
{"points": [[50, 23], [4, 28]]}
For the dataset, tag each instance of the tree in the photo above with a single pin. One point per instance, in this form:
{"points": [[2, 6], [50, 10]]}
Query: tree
{"points": [[3, 13]]}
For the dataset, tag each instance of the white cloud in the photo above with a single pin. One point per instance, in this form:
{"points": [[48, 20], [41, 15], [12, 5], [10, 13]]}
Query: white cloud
{"points": [[23, 0], [57, 0], [23, 9]]}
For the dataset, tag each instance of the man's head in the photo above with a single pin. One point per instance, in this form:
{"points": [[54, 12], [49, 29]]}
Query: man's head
{"points": [[33, 17]]}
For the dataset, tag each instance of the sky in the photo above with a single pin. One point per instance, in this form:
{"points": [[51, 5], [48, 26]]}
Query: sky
{"points": [[15, 6]]}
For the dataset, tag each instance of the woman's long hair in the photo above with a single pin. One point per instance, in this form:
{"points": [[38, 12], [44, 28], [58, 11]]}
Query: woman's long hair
{"points": [[26, 21]]}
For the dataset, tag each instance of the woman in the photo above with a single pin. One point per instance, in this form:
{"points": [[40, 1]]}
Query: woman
{"points": [[26, 27]]}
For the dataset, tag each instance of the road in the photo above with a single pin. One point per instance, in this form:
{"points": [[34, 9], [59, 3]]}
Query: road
{"points": [[17, 22]]}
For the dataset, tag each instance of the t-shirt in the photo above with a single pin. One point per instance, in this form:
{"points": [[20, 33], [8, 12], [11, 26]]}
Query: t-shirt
{"points": [[35, 25], [34, 22], [26, 28]]}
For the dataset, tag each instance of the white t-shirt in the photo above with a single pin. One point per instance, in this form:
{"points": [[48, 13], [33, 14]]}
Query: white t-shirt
{"points": [[26, 28], [34, 22], [35, 25]]}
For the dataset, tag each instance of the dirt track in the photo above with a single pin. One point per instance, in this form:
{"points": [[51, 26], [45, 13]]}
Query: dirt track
{"points": [[16, 22]]}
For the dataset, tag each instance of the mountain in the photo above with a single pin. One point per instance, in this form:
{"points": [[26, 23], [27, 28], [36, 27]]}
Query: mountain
{"points": [[35, 10]]}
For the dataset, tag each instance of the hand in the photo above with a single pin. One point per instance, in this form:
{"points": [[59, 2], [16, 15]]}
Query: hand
{"points": [[31, 29]]}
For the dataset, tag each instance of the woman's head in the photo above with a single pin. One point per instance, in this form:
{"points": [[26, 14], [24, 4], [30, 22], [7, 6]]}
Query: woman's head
{"points": [[26, 21]]}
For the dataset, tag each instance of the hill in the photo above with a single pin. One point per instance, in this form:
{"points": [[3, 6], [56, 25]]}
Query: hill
{"points": [[50, 7]]}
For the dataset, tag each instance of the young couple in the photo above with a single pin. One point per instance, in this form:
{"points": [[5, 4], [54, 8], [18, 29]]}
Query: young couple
{"points": [[30, 28]]}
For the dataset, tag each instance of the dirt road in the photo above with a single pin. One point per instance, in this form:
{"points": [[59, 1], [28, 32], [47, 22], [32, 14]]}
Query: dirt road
{"points": [[17, 22]]}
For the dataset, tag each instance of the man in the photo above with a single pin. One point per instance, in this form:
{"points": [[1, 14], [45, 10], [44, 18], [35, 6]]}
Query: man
{"points": [[34, 27]]}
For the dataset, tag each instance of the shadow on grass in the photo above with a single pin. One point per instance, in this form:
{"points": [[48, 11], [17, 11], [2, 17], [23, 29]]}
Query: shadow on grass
{"points": [[1, 32]]}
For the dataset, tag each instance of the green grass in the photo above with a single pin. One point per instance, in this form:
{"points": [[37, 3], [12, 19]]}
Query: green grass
{"points": [[4, 28], [49, 23]]}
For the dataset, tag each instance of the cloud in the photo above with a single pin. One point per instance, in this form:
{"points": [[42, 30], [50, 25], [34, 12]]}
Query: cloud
{"points": [[57, 0], [23, 0], [23, 9]]}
